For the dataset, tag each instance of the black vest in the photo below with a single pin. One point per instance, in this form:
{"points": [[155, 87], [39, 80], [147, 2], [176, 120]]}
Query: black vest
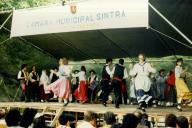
{"points": [[89, 79], [105, 75], [22, 74], [34, 76], [54, 78], [119, 71]]}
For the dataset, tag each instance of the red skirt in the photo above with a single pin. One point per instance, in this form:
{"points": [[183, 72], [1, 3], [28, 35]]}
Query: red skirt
{"points": [[81, 92]]}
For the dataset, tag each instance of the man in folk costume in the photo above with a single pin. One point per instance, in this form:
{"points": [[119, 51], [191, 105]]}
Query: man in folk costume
{"points": [[119, 73], [34, 84], [141, 72], [105, 81], [23, 77]]}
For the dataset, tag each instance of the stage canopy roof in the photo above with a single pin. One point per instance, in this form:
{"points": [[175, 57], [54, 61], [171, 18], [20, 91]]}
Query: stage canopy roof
{"points": [[126, 42]]}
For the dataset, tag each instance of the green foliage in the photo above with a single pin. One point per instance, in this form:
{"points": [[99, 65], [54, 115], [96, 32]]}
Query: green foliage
{"points": [[17, 4], [13, 53]]}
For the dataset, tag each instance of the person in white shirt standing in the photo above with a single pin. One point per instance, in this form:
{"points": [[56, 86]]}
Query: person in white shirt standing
{"points": [[141, 71]]}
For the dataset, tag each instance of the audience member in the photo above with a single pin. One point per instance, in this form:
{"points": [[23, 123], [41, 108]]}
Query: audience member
{"points": [[90, 119], [27, 117], [110, 120], [170, 121], [13, 118], [130, 121], [182, 122]]}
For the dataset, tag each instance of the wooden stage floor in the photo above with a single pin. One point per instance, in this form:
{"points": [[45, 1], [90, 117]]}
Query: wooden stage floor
{"points": [[76, 107]]}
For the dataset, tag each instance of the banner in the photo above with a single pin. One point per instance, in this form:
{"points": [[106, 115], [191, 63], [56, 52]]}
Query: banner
{"points": [[82, 16]]}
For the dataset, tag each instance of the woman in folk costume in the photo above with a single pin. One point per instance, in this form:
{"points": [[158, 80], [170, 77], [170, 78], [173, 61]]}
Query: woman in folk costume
{"points": [[170, 89], [141, 73], [183, 92], [45, 93], [81, 92], [61, 87]]}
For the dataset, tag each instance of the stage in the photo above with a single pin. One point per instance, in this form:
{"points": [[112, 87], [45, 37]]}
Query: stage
{"points": [[155, 114]]}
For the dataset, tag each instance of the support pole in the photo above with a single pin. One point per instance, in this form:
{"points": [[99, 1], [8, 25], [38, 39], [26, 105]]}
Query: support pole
{"points": [[173, 26], [5, 21]]}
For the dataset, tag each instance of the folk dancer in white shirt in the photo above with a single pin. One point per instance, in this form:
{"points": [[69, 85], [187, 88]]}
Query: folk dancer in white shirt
{"points": [[106, 81], [141, 73], [82, 90], [183, 92], [61, 87]]}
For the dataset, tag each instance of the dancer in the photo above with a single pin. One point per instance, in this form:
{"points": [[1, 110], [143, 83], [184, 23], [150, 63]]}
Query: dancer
{"points": [[34, 84], [45, 93], [141, 72], [170, 89], [93, 85], [161, 84], [132, 94], [183, 92], [61, 87], [74, 84], [81, 92], [119, 73], [23, 77], [105, 81], [53, 75]]}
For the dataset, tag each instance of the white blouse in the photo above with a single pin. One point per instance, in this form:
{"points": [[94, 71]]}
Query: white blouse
{"points": [[81, 75], [142, 69], [178, 71], [64, 70]]}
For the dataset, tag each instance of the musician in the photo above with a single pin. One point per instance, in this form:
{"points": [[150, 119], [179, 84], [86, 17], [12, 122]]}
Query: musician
{"points": [[23, 77]]}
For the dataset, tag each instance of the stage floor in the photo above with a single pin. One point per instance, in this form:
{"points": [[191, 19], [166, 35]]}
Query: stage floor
{"points": [[77, 107]]}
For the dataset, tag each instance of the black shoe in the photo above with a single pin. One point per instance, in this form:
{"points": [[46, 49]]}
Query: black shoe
{"points": [[179, 108], [104, 104], [65, 104], [117, 107], [141, 108]]}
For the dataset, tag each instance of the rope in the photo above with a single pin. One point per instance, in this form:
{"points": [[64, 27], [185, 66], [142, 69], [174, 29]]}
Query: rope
{"points": [[165, 44], [171, 38], [4, 41], [167, 21]]}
